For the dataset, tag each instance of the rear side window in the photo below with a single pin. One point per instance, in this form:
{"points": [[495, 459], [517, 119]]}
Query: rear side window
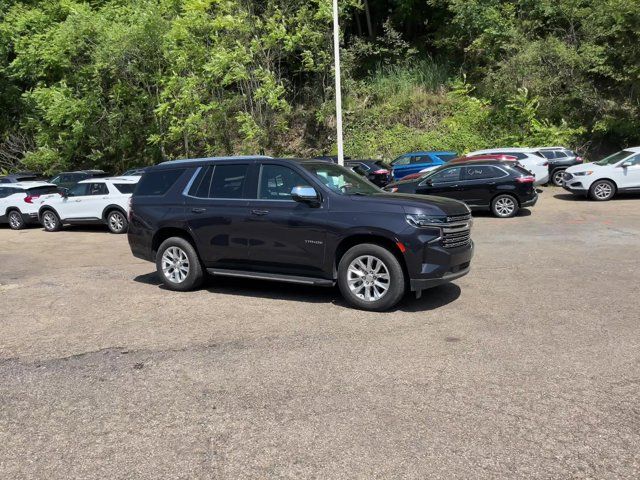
{"points": [[125, 187], [157, 183], [220, 181], [521, 170], [98, 189], [479, 172]]}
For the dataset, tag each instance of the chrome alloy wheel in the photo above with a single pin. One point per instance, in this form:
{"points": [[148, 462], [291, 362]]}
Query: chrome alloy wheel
{"points": [[558, 177], [175, 264], [368, 278], [116, 221], [49, 220], [15, 221], [505, 206], [603, 191]]}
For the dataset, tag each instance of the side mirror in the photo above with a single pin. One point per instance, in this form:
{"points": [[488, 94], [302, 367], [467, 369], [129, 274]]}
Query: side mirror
{"points": [[626, 164], [304, 194], [64, 192]]}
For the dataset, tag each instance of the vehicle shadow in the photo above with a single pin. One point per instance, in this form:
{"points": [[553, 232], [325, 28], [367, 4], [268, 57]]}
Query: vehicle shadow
{"points": [[431, 299], [523, 212], [569, 197]]}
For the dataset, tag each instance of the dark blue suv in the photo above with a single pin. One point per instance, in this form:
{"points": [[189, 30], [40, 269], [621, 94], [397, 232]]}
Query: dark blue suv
{"points": [[298, 221], [415, 161]]}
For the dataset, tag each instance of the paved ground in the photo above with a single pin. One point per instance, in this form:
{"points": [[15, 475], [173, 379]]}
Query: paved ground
{"points": [[529, 367]]}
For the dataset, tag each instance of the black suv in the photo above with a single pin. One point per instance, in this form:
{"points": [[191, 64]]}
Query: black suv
{"points": [[499, 186], [299, 221]]}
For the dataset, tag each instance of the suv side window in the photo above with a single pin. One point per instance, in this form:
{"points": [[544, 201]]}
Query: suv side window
{"points": [[480, 172], [158, 182], [220, 181], [277, 181], [448, 175], [422, 159], [97, 189], [79, 190], [404, 160], [635, 160], [5, 192]]}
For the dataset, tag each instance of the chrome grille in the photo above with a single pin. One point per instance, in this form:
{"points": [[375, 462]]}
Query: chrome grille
{"points": [[457, 233]]}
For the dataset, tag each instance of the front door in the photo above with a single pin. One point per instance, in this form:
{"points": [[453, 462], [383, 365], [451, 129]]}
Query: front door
{"points": [[85, 201], [629, 177], [216, 212], [445, 183], [285, 236]]}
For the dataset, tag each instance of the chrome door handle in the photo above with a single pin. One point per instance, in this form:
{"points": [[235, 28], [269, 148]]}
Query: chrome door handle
{"points": [[198, 210], [259, 212]]}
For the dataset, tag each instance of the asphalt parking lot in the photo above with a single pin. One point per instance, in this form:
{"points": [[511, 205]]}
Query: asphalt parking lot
{"points": [[529, 367]]}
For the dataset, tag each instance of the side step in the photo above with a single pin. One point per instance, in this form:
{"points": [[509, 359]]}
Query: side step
{"points": [[278, 277]]}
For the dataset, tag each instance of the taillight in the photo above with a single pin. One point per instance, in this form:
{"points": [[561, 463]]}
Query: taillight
{"points": [[579, 159], [526, 179], [382, 171], [30, 198]]}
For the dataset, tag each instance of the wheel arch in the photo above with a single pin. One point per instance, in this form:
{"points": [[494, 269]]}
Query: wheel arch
{"points": [[511, 194], [44, 208], [167, 232], [375, 238], [615, 185], [109, 208]]}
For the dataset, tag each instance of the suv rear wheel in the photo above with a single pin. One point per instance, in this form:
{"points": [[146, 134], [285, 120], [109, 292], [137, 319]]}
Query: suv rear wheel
{"points": [[15, 220], [370, 277], [504, 206], [178, 265], [557, 177], [117, 222]]}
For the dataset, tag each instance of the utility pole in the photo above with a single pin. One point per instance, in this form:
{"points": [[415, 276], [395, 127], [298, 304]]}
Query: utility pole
{"points": [[336, 52]]}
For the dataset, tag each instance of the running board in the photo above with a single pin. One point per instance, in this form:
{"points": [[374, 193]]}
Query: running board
{"points": [[278, 277]]}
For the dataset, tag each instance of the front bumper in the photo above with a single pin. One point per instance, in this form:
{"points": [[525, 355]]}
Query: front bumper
{"points": [[418, 284], [574, 186], [440, 265]]}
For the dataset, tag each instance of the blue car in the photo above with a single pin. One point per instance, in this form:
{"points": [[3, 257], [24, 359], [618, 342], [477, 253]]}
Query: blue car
{"points": [[415, 161]]}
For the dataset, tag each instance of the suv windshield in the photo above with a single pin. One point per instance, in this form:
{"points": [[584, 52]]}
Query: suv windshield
{"points": [[340, 179], [615, 158]]}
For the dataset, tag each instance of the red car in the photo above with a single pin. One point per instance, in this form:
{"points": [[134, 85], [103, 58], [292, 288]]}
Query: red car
{"points": [[503, 158]]}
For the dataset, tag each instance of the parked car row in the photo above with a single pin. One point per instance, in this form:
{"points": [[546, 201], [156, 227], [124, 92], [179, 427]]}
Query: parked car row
{"points": [[95, 200]]}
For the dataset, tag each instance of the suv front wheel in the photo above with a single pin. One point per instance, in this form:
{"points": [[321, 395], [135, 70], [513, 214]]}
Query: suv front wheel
{"points": [[178, 265], [370, 277]]}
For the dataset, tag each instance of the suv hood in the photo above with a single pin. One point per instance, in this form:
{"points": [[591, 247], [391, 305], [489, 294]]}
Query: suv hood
{"points": [[584, 166], [415, 203]]}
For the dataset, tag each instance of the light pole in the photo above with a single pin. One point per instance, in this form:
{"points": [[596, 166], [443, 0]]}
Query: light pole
{"points": [[336, 53]]}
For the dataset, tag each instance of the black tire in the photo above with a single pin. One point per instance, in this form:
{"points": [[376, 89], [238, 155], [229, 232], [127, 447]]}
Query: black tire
{"points": [[50, 221], [602, 190], [396, 284], [117, 222], [15, 220], [556, 177], [193, 276], [504, 206]]}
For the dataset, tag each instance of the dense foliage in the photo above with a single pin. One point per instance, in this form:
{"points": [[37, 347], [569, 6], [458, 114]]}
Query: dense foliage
{"points": [[115, 83]]}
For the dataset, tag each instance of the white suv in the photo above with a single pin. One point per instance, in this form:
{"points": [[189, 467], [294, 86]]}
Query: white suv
{"points": [[601, 180], [96, 200], [19, 202], [530, 158]]}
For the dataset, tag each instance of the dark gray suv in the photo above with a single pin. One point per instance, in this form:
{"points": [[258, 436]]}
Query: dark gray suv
{"points": [[299, 221]]}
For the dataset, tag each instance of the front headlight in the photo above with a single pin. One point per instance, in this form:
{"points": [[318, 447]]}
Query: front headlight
{"points": [[420, 220], [581, 174]]}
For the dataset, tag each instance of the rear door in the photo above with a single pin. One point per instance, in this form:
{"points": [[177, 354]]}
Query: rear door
{"points": [[479, 183], [286, 236], [216, 210]]}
